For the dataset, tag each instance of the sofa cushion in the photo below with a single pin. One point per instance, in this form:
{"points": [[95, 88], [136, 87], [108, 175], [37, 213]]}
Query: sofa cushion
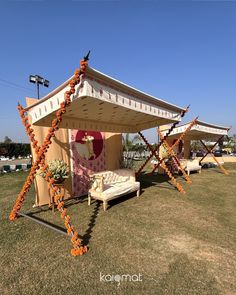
{"points": [[194, 164], [114, 190], [194, 168]]}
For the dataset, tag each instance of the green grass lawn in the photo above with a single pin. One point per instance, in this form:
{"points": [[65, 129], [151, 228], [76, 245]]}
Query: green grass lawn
{"points": [[179, 243]]}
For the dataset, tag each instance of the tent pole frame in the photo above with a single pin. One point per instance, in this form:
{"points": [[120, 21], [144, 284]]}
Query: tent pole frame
{"points": [[154, 152], [39, 162], [171, 152], [210, 151], [194, 121]]}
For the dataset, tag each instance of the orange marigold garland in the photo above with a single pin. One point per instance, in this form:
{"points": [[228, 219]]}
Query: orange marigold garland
{"points": [[78, 249]]}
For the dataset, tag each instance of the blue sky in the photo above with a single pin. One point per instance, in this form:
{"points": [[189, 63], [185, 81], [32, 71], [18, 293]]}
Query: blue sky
{"points": [[181, 51]]}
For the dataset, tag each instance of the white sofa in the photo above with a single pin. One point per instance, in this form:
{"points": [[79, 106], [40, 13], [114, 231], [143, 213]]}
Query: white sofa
{"points": [[109, 185], [191, 165]]}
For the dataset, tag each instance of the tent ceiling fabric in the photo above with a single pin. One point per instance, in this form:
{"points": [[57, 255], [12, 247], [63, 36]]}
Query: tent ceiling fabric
{"points": [[102, 103], [200, 131]]}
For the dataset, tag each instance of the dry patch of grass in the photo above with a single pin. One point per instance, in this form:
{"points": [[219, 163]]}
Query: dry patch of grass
{"points": [[221, 262]]}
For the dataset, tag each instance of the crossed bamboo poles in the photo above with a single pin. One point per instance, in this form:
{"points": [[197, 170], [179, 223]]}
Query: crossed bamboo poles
{"points": [[172, 178], [170, 151], [173, 155], [154, 151], [175, 144], [78, 248], [209, 151]]}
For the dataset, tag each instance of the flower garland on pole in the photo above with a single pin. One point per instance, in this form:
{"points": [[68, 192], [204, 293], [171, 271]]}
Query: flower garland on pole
{"points": [[171, 152], [177, 142], [78, 248], [162, 163]]}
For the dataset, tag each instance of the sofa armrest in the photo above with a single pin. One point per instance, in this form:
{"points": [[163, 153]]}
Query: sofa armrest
{"points": [[183, 163], [96, 183]]}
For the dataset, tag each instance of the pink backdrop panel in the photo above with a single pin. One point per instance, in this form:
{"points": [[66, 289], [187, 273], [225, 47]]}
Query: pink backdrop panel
{"points": [[88, 156]]}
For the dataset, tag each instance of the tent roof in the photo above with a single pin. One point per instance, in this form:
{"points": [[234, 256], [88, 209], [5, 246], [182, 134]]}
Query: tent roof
{"points": [[200, 131], [101, 103]]}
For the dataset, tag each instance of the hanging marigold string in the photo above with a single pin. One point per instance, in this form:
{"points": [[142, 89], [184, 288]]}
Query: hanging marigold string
{"points": [[173, 155], [177, 141], [162, 163], [78, 249], [160, 143]]}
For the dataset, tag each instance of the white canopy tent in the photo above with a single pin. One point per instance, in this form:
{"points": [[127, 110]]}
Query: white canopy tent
{"points": [[200, 131], [102, 103], [98, 103]]}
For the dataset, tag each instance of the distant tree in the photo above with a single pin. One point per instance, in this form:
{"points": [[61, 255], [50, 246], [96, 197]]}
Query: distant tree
{"points": [[231, 144], [7, 139], [139, 148], [233, 138], [3, 151], [128, 150], [196, 145], [154, 146], [15, 149], [221, 144], [128, 142]]}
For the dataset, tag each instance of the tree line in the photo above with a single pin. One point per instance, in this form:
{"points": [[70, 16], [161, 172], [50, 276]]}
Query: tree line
{"points": [[12, 149]]}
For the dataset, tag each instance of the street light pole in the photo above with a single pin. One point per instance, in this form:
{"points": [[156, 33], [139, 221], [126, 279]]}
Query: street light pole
{"points": [[38, 89], [36, 79]]}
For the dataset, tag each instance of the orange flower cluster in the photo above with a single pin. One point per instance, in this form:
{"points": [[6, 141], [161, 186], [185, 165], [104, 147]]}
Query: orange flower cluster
{"points": [[173, 155], [78, 249], [21, 197]]}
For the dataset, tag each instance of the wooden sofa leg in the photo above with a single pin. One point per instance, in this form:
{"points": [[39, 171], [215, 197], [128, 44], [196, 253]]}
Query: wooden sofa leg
{"points": [[89, 199], [138, 193], [105, 205]]}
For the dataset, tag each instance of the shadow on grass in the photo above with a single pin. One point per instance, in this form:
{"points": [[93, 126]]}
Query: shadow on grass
{"points": [[214, 168], [76, 200], [88, 234], [219, 171], [146, 180], [44, 222], [157, 180], [68, 203], [85, 238], [121, 199]]}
